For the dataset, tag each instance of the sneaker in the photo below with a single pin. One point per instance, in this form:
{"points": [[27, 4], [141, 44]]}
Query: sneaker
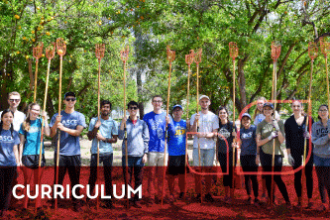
{"points": [[209, 198], [248, 201], [288, 204], [256, 202], [77, 207], [181, 195], [310, 205], [108, 205], [321, 208], [198, 197], [41, 214], [136, 204]]}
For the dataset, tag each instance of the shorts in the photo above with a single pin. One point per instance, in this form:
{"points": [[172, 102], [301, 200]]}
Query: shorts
{"points": [[156, 159], [32, 161], [176, 165]]}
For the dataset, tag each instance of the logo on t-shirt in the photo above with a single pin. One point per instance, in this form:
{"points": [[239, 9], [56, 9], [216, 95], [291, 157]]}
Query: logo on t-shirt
{"points": [[6, 139], [68, 123], [179, 130], [225, 133], [34, 129], [247, 135]]}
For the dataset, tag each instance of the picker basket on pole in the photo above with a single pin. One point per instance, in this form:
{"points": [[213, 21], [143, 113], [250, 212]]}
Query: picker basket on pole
{"points": [[124, 57], [170, 57], [275, 54], [61, 50], [99, 53], [37, 53], [233, 51]]}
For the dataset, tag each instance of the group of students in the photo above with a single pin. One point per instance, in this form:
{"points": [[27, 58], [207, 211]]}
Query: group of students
{"points": [[214, 136]]}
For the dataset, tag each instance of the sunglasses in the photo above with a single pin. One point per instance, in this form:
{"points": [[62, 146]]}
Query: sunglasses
{"points": [[133, 108], [14, 100], [72, 99]]}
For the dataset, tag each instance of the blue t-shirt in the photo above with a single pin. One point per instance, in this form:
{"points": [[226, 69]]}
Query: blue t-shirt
{"points": [[156, 124], [7, 143], [177, 138], [32, 138], [107, 129], [69, 145], [248, 138]]}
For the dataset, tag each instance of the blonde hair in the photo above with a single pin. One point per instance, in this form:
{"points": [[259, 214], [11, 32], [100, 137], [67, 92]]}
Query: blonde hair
{"points": [[27, 122], [256, 111], [13, 93]]}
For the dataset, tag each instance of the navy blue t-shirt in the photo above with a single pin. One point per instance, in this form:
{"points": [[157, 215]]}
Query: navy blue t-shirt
{"points": [[69, 145], [248, 139], [7, 143]]}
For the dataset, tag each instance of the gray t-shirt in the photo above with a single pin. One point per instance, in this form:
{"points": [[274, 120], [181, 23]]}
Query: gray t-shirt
{"points": [[207, 123]]}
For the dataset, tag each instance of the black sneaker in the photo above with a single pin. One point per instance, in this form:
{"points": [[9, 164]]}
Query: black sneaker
{"points": [[77, 207], [181, 195], [108, 205], [198, 197], [209, 198], [136, 204], [41, 214], [248, 201]]}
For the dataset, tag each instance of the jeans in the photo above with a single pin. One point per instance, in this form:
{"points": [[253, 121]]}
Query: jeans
{"points": [[134, 164], [207, 157], [322, 166]]}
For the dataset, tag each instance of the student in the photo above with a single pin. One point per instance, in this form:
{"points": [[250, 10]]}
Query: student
{"points": [[30, 135], [137, 148], [208, 127], [270, 130], [258, 116], [228, 132], [156, 121], [177, 151], [14, 99], [103, 131], [70, 124], [296, 137], [9, 159], [321, 141], [248, 156]]}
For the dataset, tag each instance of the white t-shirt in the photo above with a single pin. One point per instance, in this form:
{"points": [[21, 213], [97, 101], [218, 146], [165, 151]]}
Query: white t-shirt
{"points": [[19, 118], [207, 123]]}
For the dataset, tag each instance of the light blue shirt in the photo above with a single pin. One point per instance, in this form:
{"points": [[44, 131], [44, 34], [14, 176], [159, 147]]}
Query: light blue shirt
{"points": [[107, 129], [32, 138]]}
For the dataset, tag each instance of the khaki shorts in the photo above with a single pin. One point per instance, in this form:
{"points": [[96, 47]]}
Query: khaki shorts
{"points": [[156, 159]]}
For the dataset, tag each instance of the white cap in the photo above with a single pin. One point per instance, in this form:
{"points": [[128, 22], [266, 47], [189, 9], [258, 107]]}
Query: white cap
{"points": [[204, 96]]}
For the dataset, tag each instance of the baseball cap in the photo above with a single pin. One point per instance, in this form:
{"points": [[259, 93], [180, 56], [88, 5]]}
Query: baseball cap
{"points": [[69, 94], [204, 96], [247, 115], [177, 106], [269, 105]]}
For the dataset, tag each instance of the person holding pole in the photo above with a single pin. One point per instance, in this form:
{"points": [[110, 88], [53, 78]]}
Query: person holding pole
{"points": [[177, 151], [9, 159], [265, 136], [156, 121], [208, 127], [257, 118], [227, 131], [105, 131], [248, 155], [70, 123], [295, 137], [30, 138], [321, 141], [137, 147]]}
